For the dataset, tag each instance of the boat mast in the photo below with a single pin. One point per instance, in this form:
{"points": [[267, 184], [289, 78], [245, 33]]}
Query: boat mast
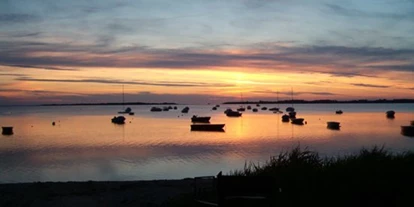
{"points": [[123, 99]]}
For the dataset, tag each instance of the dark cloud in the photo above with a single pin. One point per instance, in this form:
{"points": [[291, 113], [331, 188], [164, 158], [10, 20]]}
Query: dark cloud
{"points": [[335, 60], [370, 85], [105, 81], [40, 67], [290, 93], [353, 12], [17, 18]]}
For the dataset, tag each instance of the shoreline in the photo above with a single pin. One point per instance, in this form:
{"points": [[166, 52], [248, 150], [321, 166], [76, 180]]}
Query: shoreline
{"points": [[94, 193]]}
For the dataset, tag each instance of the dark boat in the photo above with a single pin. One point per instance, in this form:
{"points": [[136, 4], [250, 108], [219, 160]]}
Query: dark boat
{"points": [[131, 113], [339, 112], [249, 107], [241, 109], [165, 108], [126, 111], [155, 109], [285, 118], [333, 125], [255, 110], [227, 110], [200, 119], [217, 106], [207, 127], [185, 109], [292, 114], [407, 130], [257, 105], [298, 121], [390, 114], [274, 109], [290, 109], [264, 108], [118, 120], [175, 108], [232, 113], [214, 108], [7, 130]]}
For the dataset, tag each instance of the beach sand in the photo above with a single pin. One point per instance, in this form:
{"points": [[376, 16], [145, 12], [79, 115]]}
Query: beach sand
{"points": [[94, 193]]}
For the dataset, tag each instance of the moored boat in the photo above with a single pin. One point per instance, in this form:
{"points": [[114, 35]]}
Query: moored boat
{"points": [[264, 108], [200, 119], [249, 107], [407, 130], [339, 112], [292, 114], [155, 109], [274, 109], [126, 111], [241, 109], [118, 120], [255, 110], [185, 109], [214, 108], [333, 125], [232, 113], [290, 109], [207, 127], [285, 118], [7, 130], [390, 114], [298, 121]]}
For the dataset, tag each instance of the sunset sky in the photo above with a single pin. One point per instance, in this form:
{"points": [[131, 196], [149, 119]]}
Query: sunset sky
{"points": [[204, 51]]}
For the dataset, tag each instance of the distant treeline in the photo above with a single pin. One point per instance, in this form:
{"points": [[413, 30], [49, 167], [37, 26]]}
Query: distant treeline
{"points": [[108, 104], [324, 101]]}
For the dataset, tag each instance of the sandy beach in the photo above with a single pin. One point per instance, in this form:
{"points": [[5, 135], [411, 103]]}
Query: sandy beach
{"points": [[93, 193]]}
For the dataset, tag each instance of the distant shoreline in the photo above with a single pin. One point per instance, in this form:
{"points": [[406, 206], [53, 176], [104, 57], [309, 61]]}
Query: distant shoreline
{"points": [[361, 101], [109, 104]]}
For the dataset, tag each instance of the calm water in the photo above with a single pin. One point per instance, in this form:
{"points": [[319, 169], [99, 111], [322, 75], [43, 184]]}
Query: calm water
{"points": [[85, 145]]}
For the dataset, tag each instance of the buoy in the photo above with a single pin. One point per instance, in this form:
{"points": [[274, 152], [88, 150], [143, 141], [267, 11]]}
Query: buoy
{"points": [[7, 130]]}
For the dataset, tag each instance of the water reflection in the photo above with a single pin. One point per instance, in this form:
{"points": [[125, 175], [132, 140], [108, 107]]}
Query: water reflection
{"points": [[90, 147]]}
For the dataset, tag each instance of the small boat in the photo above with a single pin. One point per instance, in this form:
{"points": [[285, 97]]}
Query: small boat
{"points": [[155, 109], [274, 109], [290, 109], [217, 106], [232, 113], [390, 114], [249, 107], [257, 105], [292, 114], [255, 110], [200, 119], [214, 108], [118, 120], [207, 127], [227, 110], [264, 108], [185, 109], [170, 107], [126, 111], [165, 108], [241, 109], [285, 118], [339, 112], [175, 108], [407, 130], [298, 121], [333, 125], [7, 130], [131, 113]]}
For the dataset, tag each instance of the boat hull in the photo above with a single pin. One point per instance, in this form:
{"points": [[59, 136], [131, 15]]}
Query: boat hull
{"points": [[298, 121], [7, 130], [205, 119], [407, 130], [333, 125], [207, 127]]}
